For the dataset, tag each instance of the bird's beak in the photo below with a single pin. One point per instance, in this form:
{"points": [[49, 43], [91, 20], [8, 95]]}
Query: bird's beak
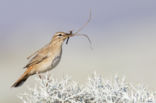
{"points": [[68, 35]]}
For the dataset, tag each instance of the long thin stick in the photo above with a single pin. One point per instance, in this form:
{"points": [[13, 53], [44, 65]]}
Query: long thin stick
{"points": [[84, 25], [81, 28], [90, 42], [86, 37]]}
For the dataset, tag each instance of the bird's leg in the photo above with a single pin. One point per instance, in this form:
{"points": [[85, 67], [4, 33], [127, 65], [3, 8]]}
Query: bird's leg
{"points": [[39, 75]]}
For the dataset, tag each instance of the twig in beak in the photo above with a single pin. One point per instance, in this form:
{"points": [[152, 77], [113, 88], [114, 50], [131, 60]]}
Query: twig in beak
{"points": [[84, 25], [71, 34], [67, 40], [90, 42]]}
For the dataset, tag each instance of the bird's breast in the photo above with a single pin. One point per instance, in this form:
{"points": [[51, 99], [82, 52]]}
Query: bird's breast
{"points": [[51, 62], [56, 59]]}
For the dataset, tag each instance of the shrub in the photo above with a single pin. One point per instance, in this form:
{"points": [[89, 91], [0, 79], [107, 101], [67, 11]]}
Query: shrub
{"points": [[96, 90]]}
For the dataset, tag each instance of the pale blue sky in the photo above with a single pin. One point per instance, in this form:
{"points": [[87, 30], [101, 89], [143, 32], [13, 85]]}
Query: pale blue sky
{"points": [[57, 15]]}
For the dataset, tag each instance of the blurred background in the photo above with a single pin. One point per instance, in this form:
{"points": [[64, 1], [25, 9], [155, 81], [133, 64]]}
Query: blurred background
{"points": [[123, 33]]}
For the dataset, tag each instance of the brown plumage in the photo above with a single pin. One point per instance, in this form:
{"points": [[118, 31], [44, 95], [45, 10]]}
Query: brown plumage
{"points": [[44, 59], [23, 78], [49, 56]]}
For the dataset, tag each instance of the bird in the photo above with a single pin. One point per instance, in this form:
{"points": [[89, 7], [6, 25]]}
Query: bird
{"points": [[44, 59], [49, 56]]}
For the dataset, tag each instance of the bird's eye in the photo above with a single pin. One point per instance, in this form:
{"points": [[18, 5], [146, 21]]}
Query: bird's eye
{"points": [[59, 34]]}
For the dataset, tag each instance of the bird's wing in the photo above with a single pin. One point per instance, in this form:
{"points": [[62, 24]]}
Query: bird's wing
{"points": [[37, 51], [41, 55]]}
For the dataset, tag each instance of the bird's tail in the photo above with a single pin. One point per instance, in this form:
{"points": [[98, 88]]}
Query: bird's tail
{"points": [[21, 80]]}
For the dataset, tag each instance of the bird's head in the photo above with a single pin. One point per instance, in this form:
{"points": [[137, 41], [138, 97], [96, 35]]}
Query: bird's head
{"points": [[60, 37]]}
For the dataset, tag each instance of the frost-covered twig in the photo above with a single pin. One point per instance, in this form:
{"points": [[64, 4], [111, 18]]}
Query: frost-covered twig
{"points": [[97, 90]]}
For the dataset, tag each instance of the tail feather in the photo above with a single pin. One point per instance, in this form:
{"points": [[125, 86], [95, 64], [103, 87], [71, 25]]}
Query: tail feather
{"points": [[21, 80]]}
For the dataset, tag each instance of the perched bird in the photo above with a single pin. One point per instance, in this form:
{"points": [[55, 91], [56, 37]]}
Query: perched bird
{"points": [[46, 58], [49, 56]]}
